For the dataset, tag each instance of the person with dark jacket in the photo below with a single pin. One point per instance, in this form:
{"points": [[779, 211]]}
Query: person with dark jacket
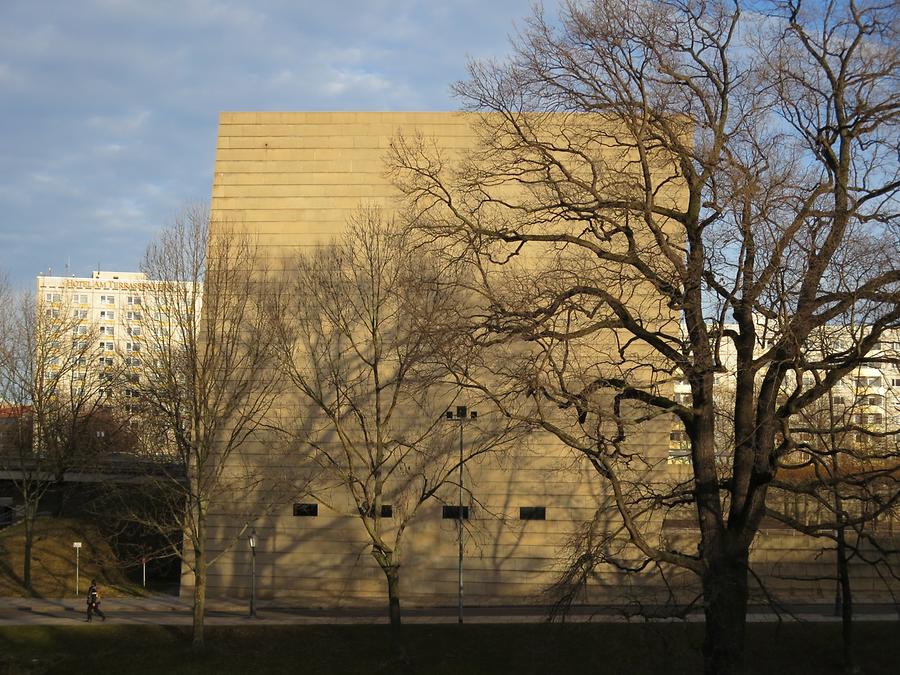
{"points": [[93, 602]]}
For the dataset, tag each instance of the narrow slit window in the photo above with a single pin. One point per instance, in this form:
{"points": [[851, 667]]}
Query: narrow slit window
{"points": [[532, 513], [451, 512], [306, 510]]}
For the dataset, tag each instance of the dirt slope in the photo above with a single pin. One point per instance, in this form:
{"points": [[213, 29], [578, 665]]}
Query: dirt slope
{"points": [[53, 562]]}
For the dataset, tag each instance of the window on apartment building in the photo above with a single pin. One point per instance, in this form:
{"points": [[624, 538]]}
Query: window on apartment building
{"points": [[306, 510], [105, 361], [132, 361], [80, 298], [80, 313], [132, 347], [838, 400], [532, 513], [52, 313], [895, 382], [134, 330], [79, 330], [108, 346], [872, 400], [79, 344], [107, 330], [78, 375], [133, 316], [134, 300], [451, 512], [81, 360], [873, 381], [108, 314], [133, 378], [53, 297]]}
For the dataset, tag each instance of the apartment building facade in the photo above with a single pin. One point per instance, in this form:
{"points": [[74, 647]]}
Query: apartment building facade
{"points": [[104, 317], [104, 339], [864, 407]]}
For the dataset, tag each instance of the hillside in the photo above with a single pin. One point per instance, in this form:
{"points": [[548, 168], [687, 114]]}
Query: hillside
{"points": [[53, 561]]}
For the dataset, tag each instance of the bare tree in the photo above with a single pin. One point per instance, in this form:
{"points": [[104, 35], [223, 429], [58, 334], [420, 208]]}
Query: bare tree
{"points": [[361, 325], [845, 470], [657, 182], [206, 387], [52, 384]]}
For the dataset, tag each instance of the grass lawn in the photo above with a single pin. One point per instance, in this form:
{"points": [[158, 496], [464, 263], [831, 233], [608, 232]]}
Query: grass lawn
{"points": [[520, 649]]}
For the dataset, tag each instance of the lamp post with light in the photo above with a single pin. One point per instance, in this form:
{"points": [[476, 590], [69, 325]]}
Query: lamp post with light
{"points": [[252, 541], [462, 415]]}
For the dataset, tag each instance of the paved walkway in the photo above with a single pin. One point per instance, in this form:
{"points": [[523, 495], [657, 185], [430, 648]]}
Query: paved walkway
{"points": [[170, 610]]}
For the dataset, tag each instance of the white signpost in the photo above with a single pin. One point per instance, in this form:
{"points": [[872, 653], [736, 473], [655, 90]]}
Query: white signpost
{"points": [[77, 546]]}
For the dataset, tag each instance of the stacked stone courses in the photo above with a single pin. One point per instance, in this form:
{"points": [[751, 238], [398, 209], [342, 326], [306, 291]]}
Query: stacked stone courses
{"points": [[293, 180]]}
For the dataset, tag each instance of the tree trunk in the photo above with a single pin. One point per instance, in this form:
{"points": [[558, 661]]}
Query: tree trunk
{"points": [[725, 603], [199, 597], [846, 600], [30, 514], [393, 584]]}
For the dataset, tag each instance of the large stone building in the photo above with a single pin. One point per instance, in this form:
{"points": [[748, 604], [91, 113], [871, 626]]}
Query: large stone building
{"points": [[294, 179]]}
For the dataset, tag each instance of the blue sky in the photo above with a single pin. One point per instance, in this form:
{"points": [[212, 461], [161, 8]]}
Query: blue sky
{"points": [[108, 108]]}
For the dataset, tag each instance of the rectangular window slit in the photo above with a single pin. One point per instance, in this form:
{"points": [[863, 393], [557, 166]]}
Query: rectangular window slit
{"points": [[532, 513], [306, 510], [451, 512]]}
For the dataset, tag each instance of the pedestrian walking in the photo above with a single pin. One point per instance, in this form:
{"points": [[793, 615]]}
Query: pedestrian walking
{"points": [[93, 603]]}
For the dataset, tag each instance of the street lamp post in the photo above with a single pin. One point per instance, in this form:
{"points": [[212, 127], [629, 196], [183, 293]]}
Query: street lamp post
{"points": [[461, 416], [252, 541], [77, 546]]}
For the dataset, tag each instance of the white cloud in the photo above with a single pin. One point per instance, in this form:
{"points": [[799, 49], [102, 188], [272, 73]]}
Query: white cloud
{"points": [[110, 149], [188, 13], [120, 213], [342, 81], [51, 184], [120, 125]]}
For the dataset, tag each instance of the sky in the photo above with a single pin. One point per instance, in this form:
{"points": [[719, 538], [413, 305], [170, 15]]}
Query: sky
{"points": [[109, 108]]}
